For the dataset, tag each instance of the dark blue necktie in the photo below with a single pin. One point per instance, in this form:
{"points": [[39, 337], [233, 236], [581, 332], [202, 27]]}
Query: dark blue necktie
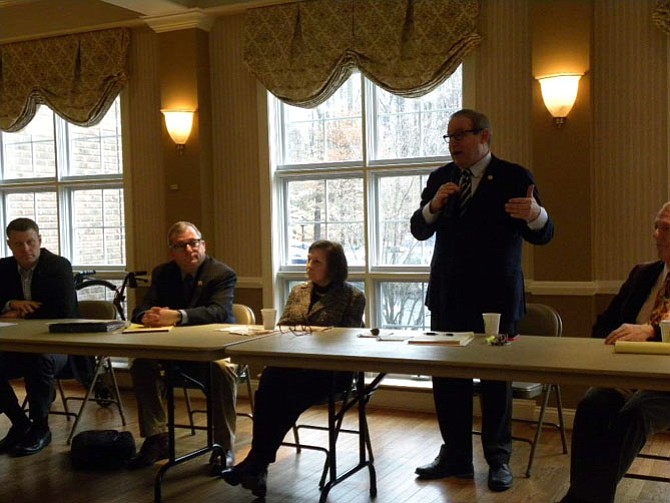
{"points": [[465, 194]]}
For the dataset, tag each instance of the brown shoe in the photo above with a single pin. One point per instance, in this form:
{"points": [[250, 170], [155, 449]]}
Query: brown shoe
{"points": [[154, 448]]}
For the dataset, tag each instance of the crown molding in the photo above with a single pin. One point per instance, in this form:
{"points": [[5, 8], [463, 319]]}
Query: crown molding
{"points": [[193, 18]]}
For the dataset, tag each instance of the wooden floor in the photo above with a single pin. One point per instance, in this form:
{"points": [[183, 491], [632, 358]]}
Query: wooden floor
{"points": [[401, 441]]}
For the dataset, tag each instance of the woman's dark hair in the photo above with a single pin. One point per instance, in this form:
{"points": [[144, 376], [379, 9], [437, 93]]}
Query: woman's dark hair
{"points": [[338, 270]]}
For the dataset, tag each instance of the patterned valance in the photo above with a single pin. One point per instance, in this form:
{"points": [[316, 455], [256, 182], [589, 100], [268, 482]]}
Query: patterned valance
{"points": [[78, 76], [302, 52], [661, 15]]}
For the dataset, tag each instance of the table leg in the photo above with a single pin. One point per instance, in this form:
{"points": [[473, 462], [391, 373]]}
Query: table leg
{"points": [[216, 449]]}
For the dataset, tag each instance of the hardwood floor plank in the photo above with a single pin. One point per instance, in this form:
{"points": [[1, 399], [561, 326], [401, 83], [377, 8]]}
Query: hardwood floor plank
{"points": [[401, 442]]}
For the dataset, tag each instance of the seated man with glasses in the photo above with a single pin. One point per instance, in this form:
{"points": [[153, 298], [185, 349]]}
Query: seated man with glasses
{"points": [[191, 289]]}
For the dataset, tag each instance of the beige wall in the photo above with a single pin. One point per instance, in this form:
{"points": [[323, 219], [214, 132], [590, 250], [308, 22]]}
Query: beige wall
{"points": [[602, 175]]}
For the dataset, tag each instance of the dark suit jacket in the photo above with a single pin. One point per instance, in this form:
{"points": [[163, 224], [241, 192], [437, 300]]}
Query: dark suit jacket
{"points": [[210, 302], [626, 304], [341, 306], [476, 265], [52, 285]]}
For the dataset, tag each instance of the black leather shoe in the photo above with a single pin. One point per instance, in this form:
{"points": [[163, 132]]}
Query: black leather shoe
{"points": [[14, 436], [33, 442], [500, 477], [153, 449], [256, 482], [252, 478], [219, 462], [440, 468], [232, 476]]}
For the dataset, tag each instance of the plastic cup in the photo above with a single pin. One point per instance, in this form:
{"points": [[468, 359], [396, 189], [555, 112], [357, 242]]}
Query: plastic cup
{"points": [[269, 315], [491, 323], [665, 330]]}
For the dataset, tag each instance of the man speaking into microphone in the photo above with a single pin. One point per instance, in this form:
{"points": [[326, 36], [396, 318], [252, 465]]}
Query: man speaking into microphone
{"points": [[480, 209]]}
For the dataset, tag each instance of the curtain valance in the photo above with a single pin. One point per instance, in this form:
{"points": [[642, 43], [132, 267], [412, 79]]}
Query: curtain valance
{"points": [[302, 52], [661, 15], [78, 76]]}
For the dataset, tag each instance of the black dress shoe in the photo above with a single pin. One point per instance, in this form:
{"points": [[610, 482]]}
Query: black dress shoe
{"points": [[440, 468], [232, 476], [500, 477], [256, 482], [219, 462], [14, 436], [154, 448], [251, 477], [33, 442]]}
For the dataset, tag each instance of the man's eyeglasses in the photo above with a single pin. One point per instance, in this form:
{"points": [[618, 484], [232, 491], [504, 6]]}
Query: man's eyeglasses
{"points": [[193, 243], [459, 135]]}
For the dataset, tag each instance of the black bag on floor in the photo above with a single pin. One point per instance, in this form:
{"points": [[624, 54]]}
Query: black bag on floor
{"points": [[101, 449]]}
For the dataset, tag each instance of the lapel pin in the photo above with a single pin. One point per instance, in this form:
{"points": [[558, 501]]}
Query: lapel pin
{"points": [[489, 178]]}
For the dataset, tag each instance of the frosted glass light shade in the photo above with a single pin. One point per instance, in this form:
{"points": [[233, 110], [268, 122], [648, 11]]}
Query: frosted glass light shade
{"points": [[179, 124], [559, 93]]}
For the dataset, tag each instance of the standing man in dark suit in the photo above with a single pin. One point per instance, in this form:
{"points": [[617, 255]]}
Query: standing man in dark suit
{"points": [[612, 425], [34, 283], [480, 209], [191, 289]]}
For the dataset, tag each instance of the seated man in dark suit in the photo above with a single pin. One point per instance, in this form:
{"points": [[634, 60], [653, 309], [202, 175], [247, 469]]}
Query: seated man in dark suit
{"points": [[34, 283], [612, 425], [192, 289]]}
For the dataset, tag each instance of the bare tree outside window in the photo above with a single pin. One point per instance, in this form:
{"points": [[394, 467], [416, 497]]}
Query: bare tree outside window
{"points": [[352, 170]]}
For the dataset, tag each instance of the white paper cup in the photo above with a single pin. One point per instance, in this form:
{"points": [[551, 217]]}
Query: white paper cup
{"points": [[665, 330], [491, 323], [269, 315]]}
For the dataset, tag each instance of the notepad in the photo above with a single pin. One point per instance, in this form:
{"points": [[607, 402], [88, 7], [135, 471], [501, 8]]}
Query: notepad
{"points": [[447, 338], [136, 328], [649, 348]]}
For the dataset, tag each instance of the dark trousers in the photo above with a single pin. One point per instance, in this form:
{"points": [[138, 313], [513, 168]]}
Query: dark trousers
{"points": [[283, 394], [610, 429], [39, 372], [454, 407]]}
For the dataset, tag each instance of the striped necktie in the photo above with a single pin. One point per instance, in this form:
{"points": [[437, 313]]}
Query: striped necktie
{"points": [[661, 303], [465, 184]]}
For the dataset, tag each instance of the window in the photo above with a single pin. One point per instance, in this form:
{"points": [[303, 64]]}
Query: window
{"points": [[68, 179], [352, 170]]}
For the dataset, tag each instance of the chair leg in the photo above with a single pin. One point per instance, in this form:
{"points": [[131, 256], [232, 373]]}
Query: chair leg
{"points": [[63, 399], [538, 428], [89, 391], [189, 409], [561, 422], [115, 385]]}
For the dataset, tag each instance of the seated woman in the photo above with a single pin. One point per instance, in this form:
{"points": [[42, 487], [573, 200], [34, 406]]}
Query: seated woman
{"points": [[284, 393]]}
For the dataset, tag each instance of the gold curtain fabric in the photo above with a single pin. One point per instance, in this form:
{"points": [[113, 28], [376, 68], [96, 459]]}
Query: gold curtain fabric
{"points": [[302, 52], [661, 15], [78, 76]]}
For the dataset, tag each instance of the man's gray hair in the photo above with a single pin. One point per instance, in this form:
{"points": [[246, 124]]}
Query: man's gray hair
{"points": [[179, 228]]}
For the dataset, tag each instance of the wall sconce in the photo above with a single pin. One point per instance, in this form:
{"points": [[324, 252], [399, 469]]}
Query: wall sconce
{"points": [[179, 124], [559, 93]]}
